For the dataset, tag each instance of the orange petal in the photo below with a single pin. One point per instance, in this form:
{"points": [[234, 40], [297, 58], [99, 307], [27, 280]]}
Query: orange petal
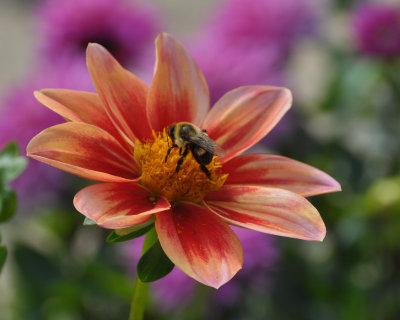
{"points": [[79, 106], [118, 205], [268, 210], [84, 150], [179, 91], [278, 172], [244, 116], [199, 243], [123, 94]]}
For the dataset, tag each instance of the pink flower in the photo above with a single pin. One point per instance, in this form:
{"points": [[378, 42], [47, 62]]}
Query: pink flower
{"points": [[124, 27], [247, 42], [377, 29], [21, 117], [119, 137]]}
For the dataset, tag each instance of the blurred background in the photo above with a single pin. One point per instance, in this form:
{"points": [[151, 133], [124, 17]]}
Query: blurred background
{"points": [[341, 59]]}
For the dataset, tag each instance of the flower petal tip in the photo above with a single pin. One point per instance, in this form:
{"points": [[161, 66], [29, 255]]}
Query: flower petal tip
{"points": [[336, 187], [320, 234], [93, 45], [95, 50], [287, 96], [162, 35], [40, 95], [225, 281], [331, 185]]}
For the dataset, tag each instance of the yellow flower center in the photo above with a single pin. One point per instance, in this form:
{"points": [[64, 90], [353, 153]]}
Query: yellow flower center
{"points": [[190, 183]]}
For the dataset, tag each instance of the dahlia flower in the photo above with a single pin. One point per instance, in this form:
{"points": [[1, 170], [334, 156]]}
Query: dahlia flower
{"points": [[118, 137], [65, 27], [21, 117], [377, 29], [255, 38]]}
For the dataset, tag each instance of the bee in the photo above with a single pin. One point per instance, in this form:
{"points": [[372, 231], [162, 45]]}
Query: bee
{"points": [[187, 137]]}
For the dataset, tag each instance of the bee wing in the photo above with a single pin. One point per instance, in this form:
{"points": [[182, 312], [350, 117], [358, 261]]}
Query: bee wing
{"points": [[205, 142]]}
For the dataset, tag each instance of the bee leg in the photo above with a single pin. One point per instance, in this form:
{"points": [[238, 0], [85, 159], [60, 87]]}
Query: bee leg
{"points": [[169, 151], [205, 170], [180, 161], [180, 151], [201, 164]]}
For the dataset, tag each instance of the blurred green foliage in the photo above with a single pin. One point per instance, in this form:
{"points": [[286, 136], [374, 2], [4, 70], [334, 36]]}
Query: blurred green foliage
{"points": [[11, 163], [11, 166]]}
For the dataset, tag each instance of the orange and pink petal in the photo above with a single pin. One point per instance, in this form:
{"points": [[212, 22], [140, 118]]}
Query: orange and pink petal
{"points": [[79, 106], [118, 205], [84, 150], [199, 243], [275, 211], [244, 116], [278, 172], [122, 93], [179, 91]]}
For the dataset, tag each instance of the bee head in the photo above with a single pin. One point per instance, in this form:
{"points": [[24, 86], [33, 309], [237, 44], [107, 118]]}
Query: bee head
{"points": [[171, 131]]}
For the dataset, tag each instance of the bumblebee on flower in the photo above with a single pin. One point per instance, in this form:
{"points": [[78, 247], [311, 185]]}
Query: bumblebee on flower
{"points": [[121, 136]]}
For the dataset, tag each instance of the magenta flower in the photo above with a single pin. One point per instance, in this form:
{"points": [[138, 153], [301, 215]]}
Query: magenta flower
{"points": [[277, 22], [377, 29], [21, 116], [67, 26], [238, 66], [246, 42]]}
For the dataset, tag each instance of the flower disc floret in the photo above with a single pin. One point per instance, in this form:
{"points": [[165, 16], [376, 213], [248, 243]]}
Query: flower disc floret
{"points": [[190, 183]]}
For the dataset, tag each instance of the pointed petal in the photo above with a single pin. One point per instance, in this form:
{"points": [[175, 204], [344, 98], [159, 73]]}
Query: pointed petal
{"points": [[244, 116], [79, 106], [84, 150], [122, 93], [268, 210], [199, 243], [179, 91], [278, 172], [118, 205]]}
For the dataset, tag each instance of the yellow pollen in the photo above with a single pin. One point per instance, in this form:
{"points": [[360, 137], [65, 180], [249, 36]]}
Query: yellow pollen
{"points": [[190, 183]]}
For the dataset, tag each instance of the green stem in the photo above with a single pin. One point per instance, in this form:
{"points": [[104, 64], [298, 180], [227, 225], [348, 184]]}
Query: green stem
{"points": [[139, 298]]}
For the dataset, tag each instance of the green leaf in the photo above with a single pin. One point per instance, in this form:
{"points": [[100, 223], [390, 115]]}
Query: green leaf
{"points": [[113, 237], [89, 222], [3, 256], [8, 204], [154, 264], [11, 163]]}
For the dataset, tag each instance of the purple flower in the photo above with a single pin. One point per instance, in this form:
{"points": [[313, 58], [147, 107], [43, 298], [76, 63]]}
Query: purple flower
{"points": [[277, 22], [377, 29], [228, 66], [67, 26], [21, 117], [173, 291], [247, 42]]}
